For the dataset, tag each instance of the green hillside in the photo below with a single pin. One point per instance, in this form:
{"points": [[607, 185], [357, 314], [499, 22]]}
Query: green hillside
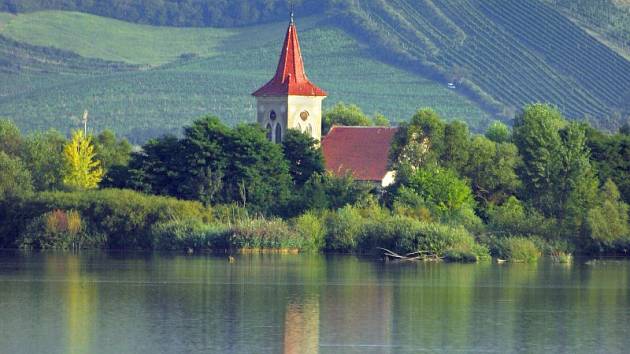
{"points": [[388, 56], [140, 102], [609, 18], [109, 39], [506, 53]]}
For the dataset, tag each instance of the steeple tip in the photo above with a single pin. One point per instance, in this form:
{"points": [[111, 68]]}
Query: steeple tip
{"points": [[291, 15]]}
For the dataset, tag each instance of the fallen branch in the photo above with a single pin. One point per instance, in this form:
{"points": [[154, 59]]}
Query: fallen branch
{"points": [[413, 256]]}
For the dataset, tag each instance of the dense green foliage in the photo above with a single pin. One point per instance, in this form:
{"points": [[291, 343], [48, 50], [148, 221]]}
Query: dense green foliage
{"points": [[457, 195], [15, 179], [119, 219], [345, 115], [304, 156], [215, 164], [610, 155], [546, 163]]}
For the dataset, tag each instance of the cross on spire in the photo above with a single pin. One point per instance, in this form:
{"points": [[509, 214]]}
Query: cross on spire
{"points": [[291, 4]]}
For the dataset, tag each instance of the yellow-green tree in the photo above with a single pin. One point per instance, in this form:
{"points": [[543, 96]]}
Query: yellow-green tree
{"points": [[83, 171]]}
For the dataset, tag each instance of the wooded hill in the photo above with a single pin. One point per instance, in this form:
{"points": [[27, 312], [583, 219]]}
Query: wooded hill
{"points": [[499, 54]]}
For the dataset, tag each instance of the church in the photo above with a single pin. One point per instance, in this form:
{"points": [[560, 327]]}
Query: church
{"points": [[291, 101]]}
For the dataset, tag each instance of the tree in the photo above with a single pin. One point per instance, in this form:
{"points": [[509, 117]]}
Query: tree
{"points": [[491, 169], [82, 170], [15, 179], [498, 132], [10, 138], [575, 183], [537, 136], [557, 175], [380, 120], [455, 151], [205, 148], [111, 151], [610, 157], [608, 221], [216, 164], [442, 190], [156, 169], [327, 191], [304, 156], [43, 154], [346, 115], [257, 166], [419, 142]]}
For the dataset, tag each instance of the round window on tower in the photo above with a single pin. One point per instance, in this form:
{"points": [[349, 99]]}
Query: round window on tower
{"points": [[304, 115], [272, 115]]}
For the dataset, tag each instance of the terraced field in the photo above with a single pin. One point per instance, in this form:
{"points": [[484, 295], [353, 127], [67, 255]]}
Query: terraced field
{"points": [[140, 101], [507, 52]]}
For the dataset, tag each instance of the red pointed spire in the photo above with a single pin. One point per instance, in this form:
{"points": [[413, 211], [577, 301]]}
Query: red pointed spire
{"points": [[290, 78]]}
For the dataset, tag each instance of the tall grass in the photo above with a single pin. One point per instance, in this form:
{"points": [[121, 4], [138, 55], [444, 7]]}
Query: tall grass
{"points": [[518, 249]]}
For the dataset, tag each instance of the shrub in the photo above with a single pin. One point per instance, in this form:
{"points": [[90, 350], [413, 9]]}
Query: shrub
{"points": [[466, 218], [342, 229], [124, 217], [58, 229], [312, 231], [442, 190], [512, 218], [467, 253], [518, 249], [405, 235], [397, 233], [439, 239], [607, 222]]}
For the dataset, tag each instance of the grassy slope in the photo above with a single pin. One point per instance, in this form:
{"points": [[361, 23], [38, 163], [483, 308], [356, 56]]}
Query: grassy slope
{"points": [[4, 19], [140, 102], [109, 39], [507, 52]]}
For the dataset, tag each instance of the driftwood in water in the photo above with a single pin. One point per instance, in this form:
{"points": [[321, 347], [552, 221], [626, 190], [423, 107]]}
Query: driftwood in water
{"points": [[413, 256]]}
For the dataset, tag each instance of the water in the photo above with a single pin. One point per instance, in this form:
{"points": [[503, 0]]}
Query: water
{"points": [[149, 303]]}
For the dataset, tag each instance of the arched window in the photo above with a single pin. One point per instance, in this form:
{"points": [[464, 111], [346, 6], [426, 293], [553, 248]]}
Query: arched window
{"points": [[268, 129], [309, 129], [278, 133], [298, 127], [272, 115]]}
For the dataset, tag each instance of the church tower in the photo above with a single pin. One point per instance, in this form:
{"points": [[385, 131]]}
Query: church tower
{"points": [[290, 100]]}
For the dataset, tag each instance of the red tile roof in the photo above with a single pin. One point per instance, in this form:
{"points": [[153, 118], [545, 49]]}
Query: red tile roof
{"points": [[362, 151], [290, 76]]}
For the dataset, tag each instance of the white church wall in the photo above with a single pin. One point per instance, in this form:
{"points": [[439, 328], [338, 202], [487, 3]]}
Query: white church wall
{"points": [[307, 112]]}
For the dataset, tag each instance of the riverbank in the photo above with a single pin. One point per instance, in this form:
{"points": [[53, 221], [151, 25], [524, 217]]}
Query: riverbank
{"points": [[127, 220]]}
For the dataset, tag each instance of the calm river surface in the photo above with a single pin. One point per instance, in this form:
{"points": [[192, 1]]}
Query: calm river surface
{"points": [[150, 303]]}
